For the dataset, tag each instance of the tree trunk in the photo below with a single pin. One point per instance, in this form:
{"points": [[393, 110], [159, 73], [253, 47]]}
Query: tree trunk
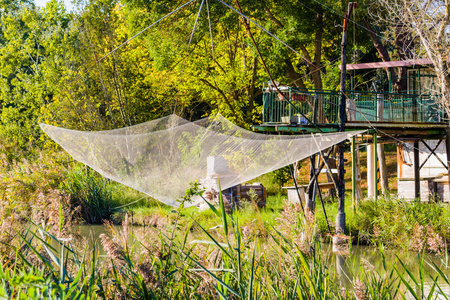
{"points": [[382, 51], [404, 44], [293, 75]]}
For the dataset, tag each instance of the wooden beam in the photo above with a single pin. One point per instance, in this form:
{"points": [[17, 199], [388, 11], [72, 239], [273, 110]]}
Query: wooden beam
{"points": [[432, 153], [390, 64]]}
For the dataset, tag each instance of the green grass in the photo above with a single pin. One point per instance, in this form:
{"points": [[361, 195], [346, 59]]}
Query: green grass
{"points": [[393, 222]]}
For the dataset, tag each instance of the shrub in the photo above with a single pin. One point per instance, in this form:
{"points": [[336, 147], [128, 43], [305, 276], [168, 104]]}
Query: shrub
{"points": [[90, 191]]}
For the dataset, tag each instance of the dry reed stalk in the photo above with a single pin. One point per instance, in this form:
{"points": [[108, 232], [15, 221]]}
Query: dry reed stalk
{"points": [[435, 242], [418, 238], [114, 250], [360, 290]]}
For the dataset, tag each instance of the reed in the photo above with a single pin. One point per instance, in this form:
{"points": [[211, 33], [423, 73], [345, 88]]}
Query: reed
{"points": [[290, 263], [91, 192]]}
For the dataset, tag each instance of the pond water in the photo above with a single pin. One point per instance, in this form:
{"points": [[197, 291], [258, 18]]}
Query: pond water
{"points": [[346, 267]]}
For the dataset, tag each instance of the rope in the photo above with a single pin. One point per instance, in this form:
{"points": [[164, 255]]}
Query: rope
{"points": [[187, 50], [266, 31], [247, 27], [210, 32], [195, 24], [117, 207], [143, 30], [355, 23]]}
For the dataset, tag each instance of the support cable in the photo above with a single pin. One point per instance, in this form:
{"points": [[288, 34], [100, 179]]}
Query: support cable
{"points": [[187, 50], [296, 188], [354, 22], [263, 29], [247, 27], [145, 29], [210, 32]]}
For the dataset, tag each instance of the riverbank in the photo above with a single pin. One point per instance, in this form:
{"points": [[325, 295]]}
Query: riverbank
{"points": [[395, 223], [253, 253], [42, 189], [292, 262]]}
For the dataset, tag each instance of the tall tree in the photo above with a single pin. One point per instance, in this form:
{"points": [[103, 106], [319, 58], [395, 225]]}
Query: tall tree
{"points": [[426, 22], [30, 39]]}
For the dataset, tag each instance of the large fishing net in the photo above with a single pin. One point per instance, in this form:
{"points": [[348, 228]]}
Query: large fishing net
{"points": [[162, 157]]}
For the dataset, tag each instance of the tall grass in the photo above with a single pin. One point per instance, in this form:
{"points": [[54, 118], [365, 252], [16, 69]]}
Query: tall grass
{"points": [[396, 223], [91, 192], [289, 264]]}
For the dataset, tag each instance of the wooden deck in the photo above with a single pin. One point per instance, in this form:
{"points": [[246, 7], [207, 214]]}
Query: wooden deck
{"points": [[386, 130]]}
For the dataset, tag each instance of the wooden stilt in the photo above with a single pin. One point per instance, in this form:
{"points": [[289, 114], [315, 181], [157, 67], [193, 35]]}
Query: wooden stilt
{"points": [[309, 207], [447, 149], [375, 167], [359, 194], [370, 171], [416, 171], [383, 172], [354, 172]]}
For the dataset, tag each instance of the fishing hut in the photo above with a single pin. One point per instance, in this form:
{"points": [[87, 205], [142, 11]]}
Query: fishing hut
{"points": [[412, 119]]}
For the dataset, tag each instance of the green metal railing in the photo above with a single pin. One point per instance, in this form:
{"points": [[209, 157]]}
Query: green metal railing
{"points": [[322, 107]]}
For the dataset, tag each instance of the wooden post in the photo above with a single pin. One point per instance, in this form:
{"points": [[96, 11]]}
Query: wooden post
{"points": [[354, 173], [447, 149], [370, 172], [384, 183], [340, 217], [375, 167], [416, 171], [380, 149], [310, 205]]}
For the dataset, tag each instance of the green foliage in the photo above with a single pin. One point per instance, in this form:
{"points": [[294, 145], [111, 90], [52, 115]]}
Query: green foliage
{"points": [[91, 192], [29, 48], [58, 67], [396, 223], [281, 176]]}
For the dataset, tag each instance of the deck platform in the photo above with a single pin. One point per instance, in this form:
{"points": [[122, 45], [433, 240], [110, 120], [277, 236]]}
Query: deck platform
{"points": [[387, 131]]}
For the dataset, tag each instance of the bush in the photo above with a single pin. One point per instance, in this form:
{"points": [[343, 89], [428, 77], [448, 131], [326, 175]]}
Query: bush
{"points": [[411, 225], [90, 191]]}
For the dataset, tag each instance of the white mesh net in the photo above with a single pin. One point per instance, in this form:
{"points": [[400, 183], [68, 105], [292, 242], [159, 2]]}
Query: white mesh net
{"points": [[161, 157]]}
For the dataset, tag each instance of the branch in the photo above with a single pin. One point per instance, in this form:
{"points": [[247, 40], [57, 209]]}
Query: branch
{"points": [[271, 17], [222, 93]]}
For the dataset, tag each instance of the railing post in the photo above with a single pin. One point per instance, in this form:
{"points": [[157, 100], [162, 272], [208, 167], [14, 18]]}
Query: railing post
{"points": [[290, 105], [380, 107], [414, 109], [403, 108], [316, 103], [375, 105]]}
